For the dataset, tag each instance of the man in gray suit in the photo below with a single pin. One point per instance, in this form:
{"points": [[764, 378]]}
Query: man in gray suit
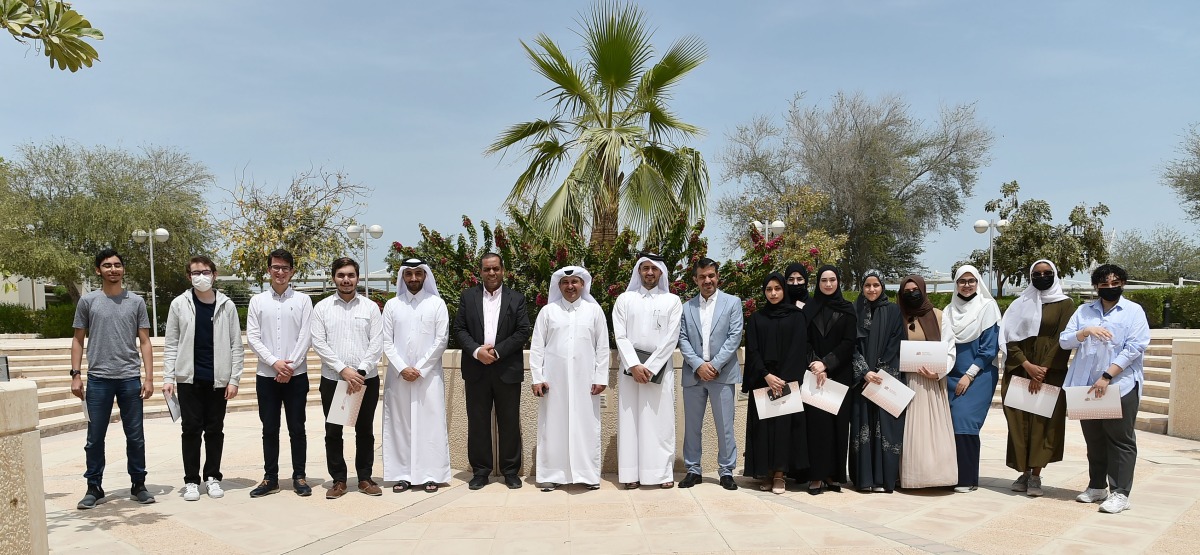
{"points": [[708, 339]]}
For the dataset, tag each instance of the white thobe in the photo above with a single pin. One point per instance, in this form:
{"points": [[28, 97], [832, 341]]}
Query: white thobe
{"points": [[416, 448], [646, 320], [569, 353]]}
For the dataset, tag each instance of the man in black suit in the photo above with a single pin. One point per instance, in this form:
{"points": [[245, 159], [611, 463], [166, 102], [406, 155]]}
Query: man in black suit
{"points": [[492, 327]]}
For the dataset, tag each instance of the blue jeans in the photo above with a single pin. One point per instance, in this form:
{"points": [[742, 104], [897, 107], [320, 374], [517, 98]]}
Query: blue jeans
{"points": [[99, 397]]}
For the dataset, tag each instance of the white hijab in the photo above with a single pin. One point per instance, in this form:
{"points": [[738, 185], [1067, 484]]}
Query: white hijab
{"points": [[576, 271], [635, 281], [964, 321], [1023, 318], [430, 285]]}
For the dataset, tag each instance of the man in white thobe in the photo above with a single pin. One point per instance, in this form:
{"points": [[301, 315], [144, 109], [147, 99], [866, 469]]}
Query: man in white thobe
{"points": [[416, 449], [568, 359], [646, 326]]}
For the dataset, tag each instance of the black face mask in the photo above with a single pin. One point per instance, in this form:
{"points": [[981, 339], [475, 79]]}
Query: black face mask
{"points": [[1043, 282], [798, 292], [1111, 294], [968, 299], [911, 299]]}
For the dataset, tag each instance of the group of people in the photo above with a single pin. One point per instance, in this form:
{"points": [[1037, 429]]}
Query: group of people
{"points": [[794, 333]]}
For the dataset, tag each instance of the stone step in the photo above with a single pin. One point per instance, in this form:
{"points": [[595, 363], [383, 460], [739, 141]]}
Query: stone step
{"points": [[1161, 390], [1157, 374], [1159, 350], [1161, 340], [47, 394], [1151, 422], [1155, 405], [1156, 361], [74, 421], [249, 364]]}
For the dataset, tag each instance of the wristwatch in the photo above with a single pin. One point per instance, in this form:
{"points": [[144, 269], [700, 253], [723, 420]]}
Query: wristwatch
{"points": [[1106, 376], [76, 372]]}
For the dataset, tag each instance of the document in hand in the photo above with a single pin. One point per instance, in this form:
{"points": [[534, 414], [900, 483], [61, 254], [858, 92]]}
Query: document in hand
{"points": [[344, 408], [1041, 404], [827, 397], [87, 417], [788, 404], [891, 395], [1082, 405], [173, 407], [930, 354]]}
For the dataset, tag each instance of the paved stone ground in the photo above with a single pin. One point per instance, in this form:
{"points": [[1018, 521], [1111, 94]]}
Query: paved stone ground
{"points": [[706, 519]]}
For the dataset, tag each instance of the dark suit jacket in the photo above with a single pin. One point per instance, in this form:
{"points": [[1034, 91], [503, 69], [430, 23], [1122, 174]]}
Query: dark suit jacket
{"points": [[512, 332]]}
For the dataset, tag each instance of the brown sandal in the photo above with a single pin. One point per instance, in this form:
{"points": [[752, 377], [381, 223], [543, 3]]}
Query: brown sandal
{"points": [[667, 485], [633, 485]]}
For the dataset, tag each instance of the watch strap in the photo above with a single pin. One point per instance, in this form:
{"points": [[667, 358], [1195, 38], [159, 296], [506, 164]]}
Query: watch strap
{"points": [[1107, 376]]}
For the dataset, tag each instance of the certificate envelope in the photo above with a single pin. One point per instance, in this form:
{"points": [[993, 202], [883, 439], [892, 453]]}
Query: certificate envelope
{"points": [[343, 410], [930, 354], [1041, 404], [891, 395], [788, 404], [173, 407], [1082, 405], [827, 397]]}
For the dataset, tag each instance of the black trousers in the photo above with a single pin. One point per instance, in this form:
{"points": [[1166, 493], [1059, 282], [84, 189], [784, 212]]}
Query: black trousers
{"points": [[291, 397], [202, 413], [482, 395], [364, 432], [1112, 447], [967, 448]]}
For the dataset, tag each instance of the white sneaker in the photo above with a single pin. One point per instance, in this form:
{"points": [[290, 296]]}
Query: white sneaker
{"points": [[1092, 495], [191, 492], [1115, 503], [214, 489]]}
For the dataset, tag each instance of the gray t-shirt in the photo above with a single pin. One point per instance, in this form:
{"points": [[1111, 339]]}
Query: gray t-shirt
{"points": [[112, 325]]}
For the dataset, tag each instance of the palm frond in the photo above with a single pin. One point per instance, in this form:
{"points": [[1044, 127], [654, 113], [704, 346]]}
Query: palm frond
{"points": [[538, 130], [693, 186], [685, 55], [564, 210], [617, 41], [544, 160], [570, 91], [646, 196], [665, 126]]}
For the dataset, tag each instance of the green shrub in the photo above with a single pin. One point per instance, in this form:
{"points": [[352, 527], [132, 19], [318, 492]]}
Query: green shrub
{"points": [[1185, 305], [15, 318], [57, 320]]}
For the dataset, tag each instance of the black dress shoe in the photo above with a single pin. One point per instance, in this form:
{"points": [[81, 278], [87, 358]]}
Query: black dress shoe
{"points": [[690, 480], [512, 481], [478, 481], [728, 483], [833, 487]]}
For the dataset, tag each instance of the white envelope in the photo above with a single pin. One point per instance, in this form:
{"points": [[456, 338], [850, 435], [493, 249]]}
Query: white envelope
{"points": [[87, 417], [173, 407], [343, 410], [1084, 406], [791, 403], [891, 395], [1042, 404], [930, 354], [827, 398]]}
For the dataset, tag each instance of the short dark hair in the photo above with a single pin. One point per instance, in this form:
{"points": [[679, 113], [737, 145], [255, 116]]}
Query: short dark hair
{"points": [[1101, 273], [342, 263], [106, 254], [282, 254], [491, 255], [703, 263], [201, 259]]}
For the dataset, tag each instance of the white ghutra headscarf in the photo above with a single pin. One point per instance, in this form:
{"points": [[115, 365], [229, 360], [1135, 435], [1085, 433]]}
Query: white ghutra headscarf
{"points": [[1023, 318], [575, 271], [635, 281], [430, 285]]}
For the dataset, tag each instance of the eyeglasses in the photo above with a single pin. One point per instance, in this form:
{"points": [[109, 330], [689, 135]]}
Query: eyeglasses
{"points": [[112, 265], [199, 273], [281, 268], [1042, 274], [967, 282]]}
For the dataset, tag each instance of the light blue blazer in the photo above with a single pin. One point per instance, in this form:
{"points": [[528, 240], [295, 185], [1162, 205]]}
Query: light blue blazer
{"points": [[723, 343]]}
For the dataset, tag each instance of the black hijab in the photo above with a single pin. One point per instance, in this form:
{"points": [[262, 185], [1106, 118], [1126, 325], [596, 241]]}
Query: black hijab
{"points": [[796, 292], [866, 309], [784, 307], [820, 301]]}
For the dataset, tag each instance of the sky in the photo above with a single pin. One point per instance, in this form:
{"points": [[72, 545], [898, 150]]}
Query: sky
{"points": [[1088, 101]]}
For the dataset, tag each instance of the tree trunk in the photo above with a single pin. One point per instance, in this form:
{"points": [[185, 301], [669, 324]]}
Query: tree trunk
{"points": [[605, 213]]}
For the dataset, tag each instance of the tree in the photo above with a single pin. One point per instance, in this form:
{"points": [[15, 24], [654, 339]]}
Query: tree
{"points": [[889, 177], [801, 241], [61, 203], [1183, 175], [57, 29], [309, 218], [1030, 235], [611, 127], [1164, 256]]}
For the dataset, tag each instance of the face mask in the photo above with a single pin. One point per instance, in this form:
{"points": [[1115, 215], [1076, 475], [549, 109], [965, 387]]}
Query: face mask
{"points": [[911, 299], [202, 283], [1043, 283], [1111, 294], [968, 299], [798, 292]]}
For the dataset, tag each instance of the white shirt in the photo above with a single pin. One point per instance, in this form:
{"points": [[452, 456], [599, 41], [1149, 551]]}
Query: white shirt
{"points": [[708, 310], [347, 334], [277, 328], [646, 320], [491, 318]]}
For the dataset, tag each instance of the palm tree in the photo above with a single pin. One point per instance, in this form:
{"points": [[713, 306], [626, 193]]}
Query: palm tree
{"points": [[612, 129]]}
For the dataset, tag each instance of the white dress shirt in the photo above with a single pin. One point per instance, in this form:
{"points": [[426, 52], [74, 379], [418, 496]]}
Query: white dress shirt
{"points": [[277, 328], [491, 318], [708, 310], [347, 334], [646, 320]]}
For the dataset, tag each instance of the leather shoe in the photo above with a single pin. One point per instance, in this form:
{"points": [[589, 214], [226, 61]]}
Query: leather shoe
{"points": [[338, 490], [728, 483], [301, 487], [690, 480], [478, 481], [369, 487], [266, 487], [512, 481]]}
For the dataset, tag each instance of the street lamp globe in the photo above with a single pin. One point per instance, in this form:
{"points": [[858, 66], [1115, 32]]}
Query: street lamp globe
{"points": [[376, 231], [777, 227], [981, 226], [354, 231]]}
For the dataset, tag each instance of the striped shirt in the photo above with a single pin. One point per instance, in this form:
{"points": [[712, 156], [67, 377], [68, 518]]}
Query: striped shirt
{"points": [[347, 334], [277, 328]]}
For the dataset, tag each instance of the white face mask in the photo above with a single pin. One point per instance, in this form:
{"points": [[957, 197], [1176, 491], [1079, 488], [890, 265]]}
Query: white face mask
{"points": [[202, 283]]}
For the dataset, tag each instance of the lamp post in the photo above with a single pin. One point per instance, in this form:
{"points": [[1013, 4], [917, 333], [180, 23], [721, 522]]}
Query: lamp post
{"points": [[992, 227], [770, 231], [160, 235], [374, 231]]}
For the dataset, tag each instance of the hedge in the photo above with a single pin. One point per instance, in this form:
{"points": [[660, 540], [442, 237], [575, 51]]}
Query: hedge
{"points": [[1185, 305]]}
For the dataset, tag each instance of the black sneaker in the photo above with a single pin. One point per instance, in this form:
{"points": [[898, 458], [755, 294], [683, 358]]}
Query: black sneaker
{"points": [[301, 487], [138, 493], [266, 487], [90, 498]]}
